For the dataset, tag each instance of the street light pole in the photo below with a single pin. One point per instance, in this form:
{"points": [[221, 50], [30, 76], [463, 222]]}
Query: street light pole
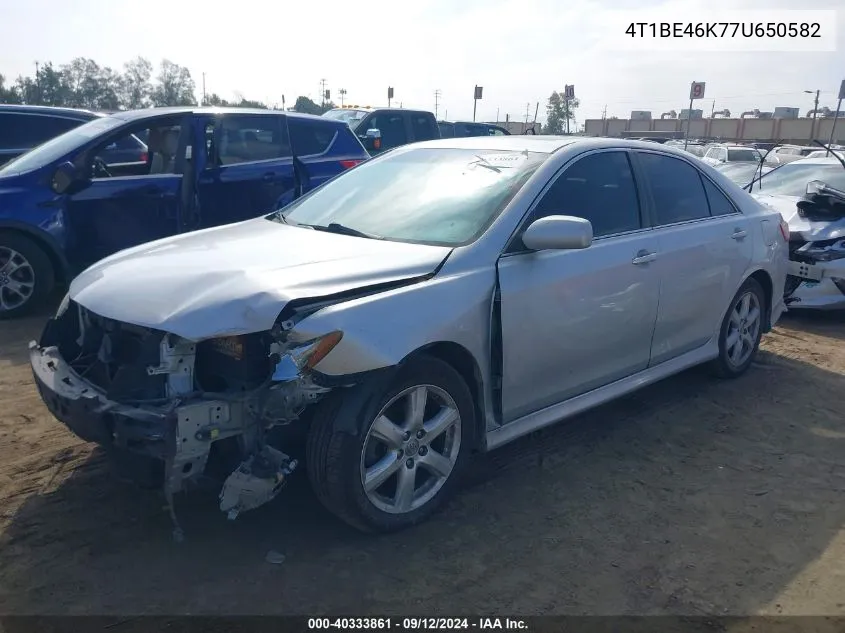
{"points": [[815, 112]]}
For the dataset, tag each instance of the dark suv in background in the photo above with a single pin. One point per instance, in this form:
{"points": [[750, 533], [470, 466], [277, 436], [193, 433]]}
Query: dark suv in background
{"points": [[381, 129], [459, 129], [23, 127]]}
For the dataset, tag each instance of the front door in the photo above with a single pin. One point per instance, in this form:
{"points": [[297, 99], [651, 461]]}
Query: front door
{"points": [[573, 321], [249, 169], [128, 204], [705, 249]]}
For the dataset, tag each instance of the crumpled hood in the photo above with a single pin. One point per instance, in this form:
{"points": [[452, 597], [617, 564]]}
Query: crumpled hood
{"points": [[809, 230], [236, 279]]}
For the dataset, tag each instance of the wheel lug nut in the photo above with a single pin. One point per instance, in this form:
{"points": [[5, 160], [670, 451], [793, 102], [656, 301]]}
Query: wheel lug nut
{"points": [[420, 434], [423, 450], [401, 452], [406, 436], [410, 463]]}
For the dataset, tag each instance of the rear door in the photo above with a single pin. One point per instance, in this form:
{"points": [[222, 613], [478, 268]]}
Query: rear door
{"points": [[248, 169], [705, 247]]}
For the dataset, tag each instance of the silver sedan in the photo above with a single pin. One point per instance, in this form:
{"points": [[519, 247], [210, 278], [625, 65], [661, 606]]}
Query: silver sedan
{"points": [[443, 298]]}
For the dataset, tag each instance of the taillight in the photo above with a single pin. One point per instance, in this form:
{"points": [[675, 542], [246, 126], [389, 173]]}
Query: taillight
{"points": [[348, 164], [784, 229], [144, 157]]}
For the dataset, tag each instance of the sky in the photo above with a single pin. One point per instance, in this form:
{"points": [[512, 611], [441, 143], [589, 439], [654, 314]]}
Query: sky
{"points": [[518, 50]]}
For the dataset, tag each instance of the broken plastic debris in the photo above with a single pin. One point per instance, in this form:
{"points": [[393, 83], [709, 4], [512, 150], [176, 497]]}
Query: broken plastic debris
{"points": [[275, 558]]}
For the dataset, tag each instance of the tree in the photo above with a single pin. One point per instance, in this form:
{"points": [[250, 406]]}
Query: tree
{"points": [[175, 86], [135, 90], [8, 94], [82, 81], [558, 112], [306, 106]]}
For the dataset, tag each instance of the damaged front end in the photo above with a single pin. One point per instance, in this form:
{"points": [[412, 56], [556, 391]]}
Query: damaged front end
{"points": [[150, 396], [816, 274]]}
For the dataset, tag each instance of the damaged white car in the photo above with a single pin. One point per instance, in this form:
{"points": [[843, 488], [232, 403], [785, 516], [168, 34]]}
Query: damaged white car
{"points": [[443, 298], [816, 277]]}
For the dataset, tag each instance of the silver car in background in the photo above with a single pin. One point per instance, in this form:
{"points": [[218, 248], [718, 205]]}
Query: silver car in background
{"points": [[443, 298]]}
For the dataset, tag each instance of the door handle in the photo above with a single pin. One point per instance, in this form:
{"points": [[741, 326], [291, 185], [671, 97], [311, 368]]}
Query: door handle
{"points": [[268, 176], [738, 234], [644, 257]]}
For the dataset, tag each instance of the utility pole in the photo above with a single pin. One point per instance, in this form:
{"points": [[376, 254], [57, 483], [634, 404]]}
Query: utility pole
{"points": [[713, 108], [536, 112], [815, 112], [497, 116], [342, 93], [527, 109], [204, 100], [323, 93], [437, 95], [37, 83], [604, 112]]}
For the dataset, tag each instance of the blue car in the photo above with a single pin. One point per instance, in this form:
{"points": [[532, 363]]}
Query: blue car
{"points": [[67, 204]]}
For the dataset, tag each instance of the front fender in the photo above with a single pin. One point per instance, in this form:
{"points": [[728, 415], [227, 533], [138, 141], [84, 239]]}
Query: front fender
{"points": [[381, 330]]}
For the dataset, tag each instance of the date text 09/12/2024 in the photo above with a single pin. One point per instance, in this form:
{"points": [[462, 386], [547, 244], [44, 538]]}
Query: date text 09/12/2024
{"points": [[416, 624], [724, 29]]}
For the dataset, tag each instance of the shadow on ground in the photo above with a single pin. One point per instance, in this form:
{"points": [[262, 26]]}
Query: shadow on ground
{"points": [[693, 496]]}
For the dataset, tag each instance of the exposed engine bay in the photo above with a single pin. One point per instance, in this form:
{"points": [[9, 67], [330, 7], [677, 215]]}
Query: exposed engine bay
{"points": [[172, 401]]}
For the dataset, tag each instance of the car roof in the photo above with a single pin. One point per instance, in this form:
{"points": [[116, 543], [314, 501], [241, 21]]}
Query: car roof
{"points": [[545, 143], [78, 113], [131, 115], [818, 160]]}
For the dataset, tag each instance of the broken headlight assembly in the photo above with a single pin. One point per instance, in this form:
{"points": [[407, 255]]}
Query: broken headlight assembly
{"points": [[63, 306], [302, 357]]}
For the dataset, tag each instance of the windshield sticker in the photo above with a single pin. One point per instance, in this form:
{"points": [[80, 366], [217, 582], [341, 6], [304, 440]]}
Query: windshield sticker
{"points": [[510, 159]]}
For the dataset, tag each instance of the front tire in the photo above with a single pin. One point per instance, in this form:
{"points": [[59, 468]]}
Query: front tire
{"points": [[406, 459], [742, 329], [26, 276]]}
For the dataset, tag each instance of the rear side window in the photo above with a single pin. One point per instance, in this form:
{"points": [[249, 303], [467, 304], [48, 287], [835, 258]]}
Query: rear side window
{"points": [[310, 137], [675, 188], [24, 131], [719, 203], [447, 130], [247, 139], [600, 188], [392, 127], [424, 127]]}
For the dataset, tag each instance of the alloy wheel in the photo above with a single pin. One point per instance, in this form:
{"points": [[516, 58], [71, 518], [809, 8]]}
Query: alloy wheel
{"points": [[410, 449], [17, 279], [743, 329]]}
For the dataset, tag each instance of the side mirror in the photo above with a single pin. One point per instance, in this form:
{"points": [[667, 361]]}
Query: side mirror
{"points": [[372, 139], [558, 232], [66, 179]]}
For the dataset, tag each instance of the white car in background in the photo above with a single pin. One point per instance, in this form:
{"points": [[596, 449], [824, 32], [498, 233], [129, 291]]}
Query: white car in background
{"points": [[816, 278], [717, 154]]}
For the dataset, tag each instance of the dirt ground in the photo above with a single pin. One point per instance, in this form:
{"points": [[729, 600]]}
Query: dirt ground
{"points": [[694, 496]]}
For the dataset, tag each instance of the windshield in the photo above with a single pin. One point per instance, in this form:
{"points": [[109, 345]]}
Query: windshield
{"points": [[741, 173], [431, 196], [347, 116], [743, 155], [59, 146], [791, 179]]}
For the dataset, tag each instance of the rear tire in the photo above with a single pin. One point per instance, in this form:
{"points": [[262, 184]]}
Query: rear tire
{"points": [[742, 329], [27, 277], [411, 463]]}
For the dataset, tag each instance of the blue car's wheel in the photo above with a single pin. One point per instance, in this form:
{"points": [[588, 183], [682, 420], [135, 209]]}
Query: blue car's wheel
{"points": [[26, 276]]}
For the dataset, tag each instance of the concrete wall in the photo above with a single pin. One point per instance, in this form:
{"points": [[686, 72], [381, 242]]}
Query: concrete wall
{"points": [[800, 131]]}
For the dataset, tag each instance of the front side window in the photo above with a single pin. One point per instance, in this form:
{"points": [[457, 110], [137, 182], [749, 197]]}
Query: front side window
{"points": [[392, 128], [599, 188], [676, 189], [426, 195]]}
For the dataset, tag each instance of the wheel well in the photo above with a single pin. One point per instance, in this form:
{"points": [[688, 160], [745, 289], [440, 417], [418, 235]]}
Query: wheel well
{"points": [[59, 268], [762, 277], [463, 362]]}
